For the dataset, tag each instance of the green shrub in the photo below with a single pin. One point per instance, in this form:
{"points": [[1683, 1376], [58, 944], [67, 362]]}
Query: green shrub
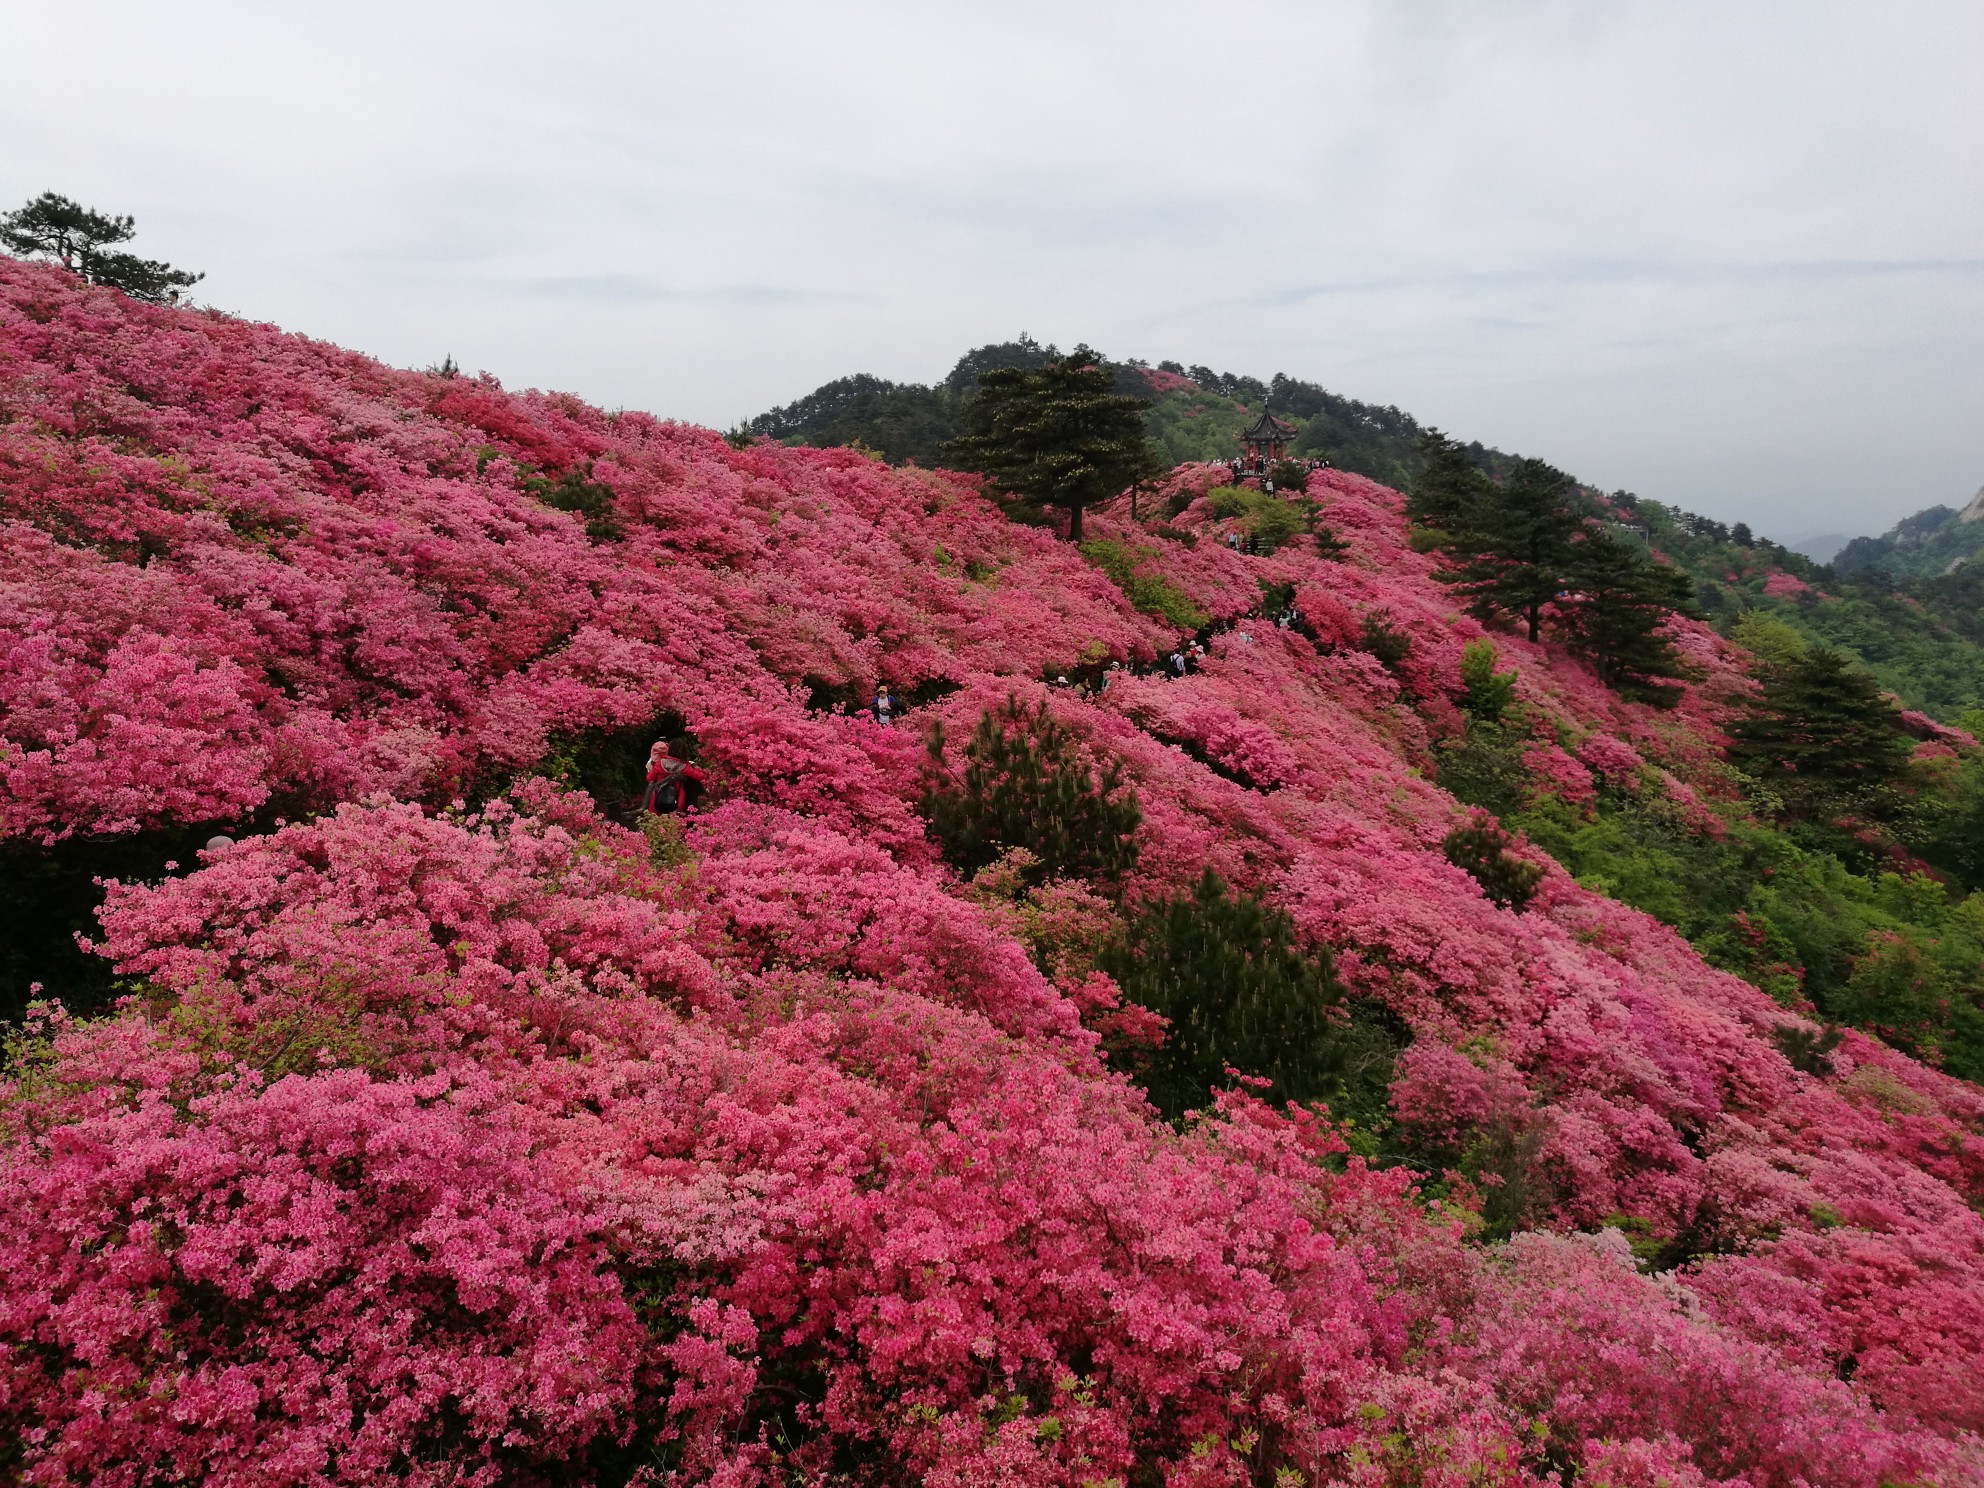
{"points": [[1226, 970], [1485, 767], [1384, 640], [1481, 848], [1289, 475], [1490, 693], [1276, 522], [1028, 782], [1152, 593], [575, 491], [1809, 1049], [1272, 520]]}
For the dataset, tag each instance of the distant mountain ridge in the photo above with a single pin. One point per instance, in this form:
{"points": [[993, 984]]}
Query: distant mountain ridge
{"points": [[1820, 549], [1937, 540], [1195, 414]]}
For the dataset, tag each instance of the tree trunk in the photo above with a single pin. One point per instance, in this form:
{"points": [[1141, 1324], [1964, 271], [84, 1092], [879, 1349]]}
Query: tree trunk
{"points": [[1074, 524]]}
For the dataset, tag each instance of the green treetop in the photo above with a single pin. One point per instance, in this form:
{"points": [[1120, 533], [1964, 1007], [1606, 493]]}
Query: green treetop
{"points": [[1618, 602], [1055, 434], [79, 239], [1514, 551], [1448, 487], [1239, 990], [1822, 737]]}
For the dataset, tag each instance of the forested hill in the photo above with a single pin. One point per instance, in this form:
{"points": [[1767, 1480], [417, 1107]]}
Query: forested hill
{"points": [[1195, 414], [1902, 605], [1932, 543]]}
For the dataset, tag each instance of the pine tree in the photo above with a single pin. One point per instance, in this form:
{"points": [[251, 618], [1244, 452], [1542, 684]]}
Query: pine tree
{"points": [[1028, 783], [78, 238], [1619, 600], [1480, 848], [1447, 488], [1055, 434], [1226, 970], [1514, 552], [1823, 737]]}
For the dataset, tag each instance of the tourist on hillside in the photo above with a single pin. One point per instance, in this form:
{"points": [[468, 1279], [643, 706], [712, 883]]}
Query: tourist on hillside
{"points": [[674, 785], [884, 708], [1177, 662]]}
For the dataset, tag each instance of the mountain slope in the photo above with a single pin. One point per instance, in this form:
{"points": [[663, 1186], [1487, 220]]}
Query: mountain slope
{"points": [[505, 1141]]}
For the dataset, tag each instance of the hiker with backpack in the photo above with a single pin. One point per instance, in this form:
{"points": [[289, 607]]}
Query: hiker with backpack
{"points": [[674, 785]]}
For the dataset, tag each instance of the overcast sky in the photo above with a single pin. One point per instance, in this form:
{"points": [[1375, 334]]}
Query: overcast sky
{"points": [[1727, 255]]}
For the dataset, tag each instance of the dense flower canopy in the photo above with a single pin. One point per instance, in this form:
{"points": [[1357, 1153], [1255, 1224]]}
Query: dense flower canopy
{"points": [[496, 1142]]}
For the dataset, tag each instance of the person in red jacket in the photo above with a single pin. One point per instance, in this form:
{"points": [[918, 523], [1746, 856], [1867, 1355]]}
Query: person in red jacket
{"points": [[674, 785]]}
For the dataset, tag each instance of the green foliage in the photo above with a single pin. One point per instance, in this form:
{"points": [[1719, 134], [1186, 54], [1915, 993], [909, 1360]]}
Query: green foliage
{"points": [[1512, 549], [1490, 693], [1484, 767], [903, 421], [1195, 424], [1926, 545], [1384, 640], [1277, 521], [575, 491], [1898, 954], [1774, 643], [1947, 829], [79, 239], [1028, 783], [1239, 991], [1899, 988], [1272, 519], [1057, 434], [1289, 475], [1621, 600], [1448, 487], [1809, 1049], [1480, 847], [1823, 739], [1920, 635], [1149, 591]]}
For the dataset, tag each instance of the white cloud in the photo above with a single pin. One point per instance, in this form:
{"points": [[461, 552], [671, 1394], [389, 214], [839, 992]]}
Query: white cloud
{"points": [[1728, 255]]}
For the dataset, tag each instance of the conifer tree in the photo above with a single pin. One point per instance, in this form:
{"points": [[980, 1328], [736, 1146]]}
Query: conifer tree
{"points": [[1447, 488], [1823, 737], [1028, 783], [1226, 970], [1055, 434], [79, 239], [1619, 600], [1515, 549]]}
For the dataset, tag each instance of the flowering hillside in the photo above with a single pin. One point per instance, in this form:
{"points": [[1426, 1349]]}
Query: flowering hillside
{"points": [[454, 1132]]}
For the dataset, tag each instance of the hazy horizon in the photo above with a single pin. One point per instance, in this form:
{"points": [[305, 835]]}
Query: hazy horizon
{"points": [[1725, 257]]}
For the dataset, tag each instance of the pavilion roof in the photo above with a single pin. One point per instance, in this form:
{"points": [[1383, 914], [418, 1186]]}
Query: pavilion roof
{"points": [[1268, 427]]}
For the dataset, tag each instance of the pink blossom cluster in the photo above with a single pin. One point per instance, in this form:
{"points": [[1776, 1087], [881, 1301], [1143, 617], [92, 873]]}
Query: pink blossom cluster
{"points": [[1779, 584], [1612, 760], [503, 1145], [1553, 772]]}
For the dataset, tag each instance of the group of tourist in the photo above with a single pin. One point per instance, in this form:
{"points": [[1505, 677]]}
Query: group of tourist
{"points": [[675, 784]]}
